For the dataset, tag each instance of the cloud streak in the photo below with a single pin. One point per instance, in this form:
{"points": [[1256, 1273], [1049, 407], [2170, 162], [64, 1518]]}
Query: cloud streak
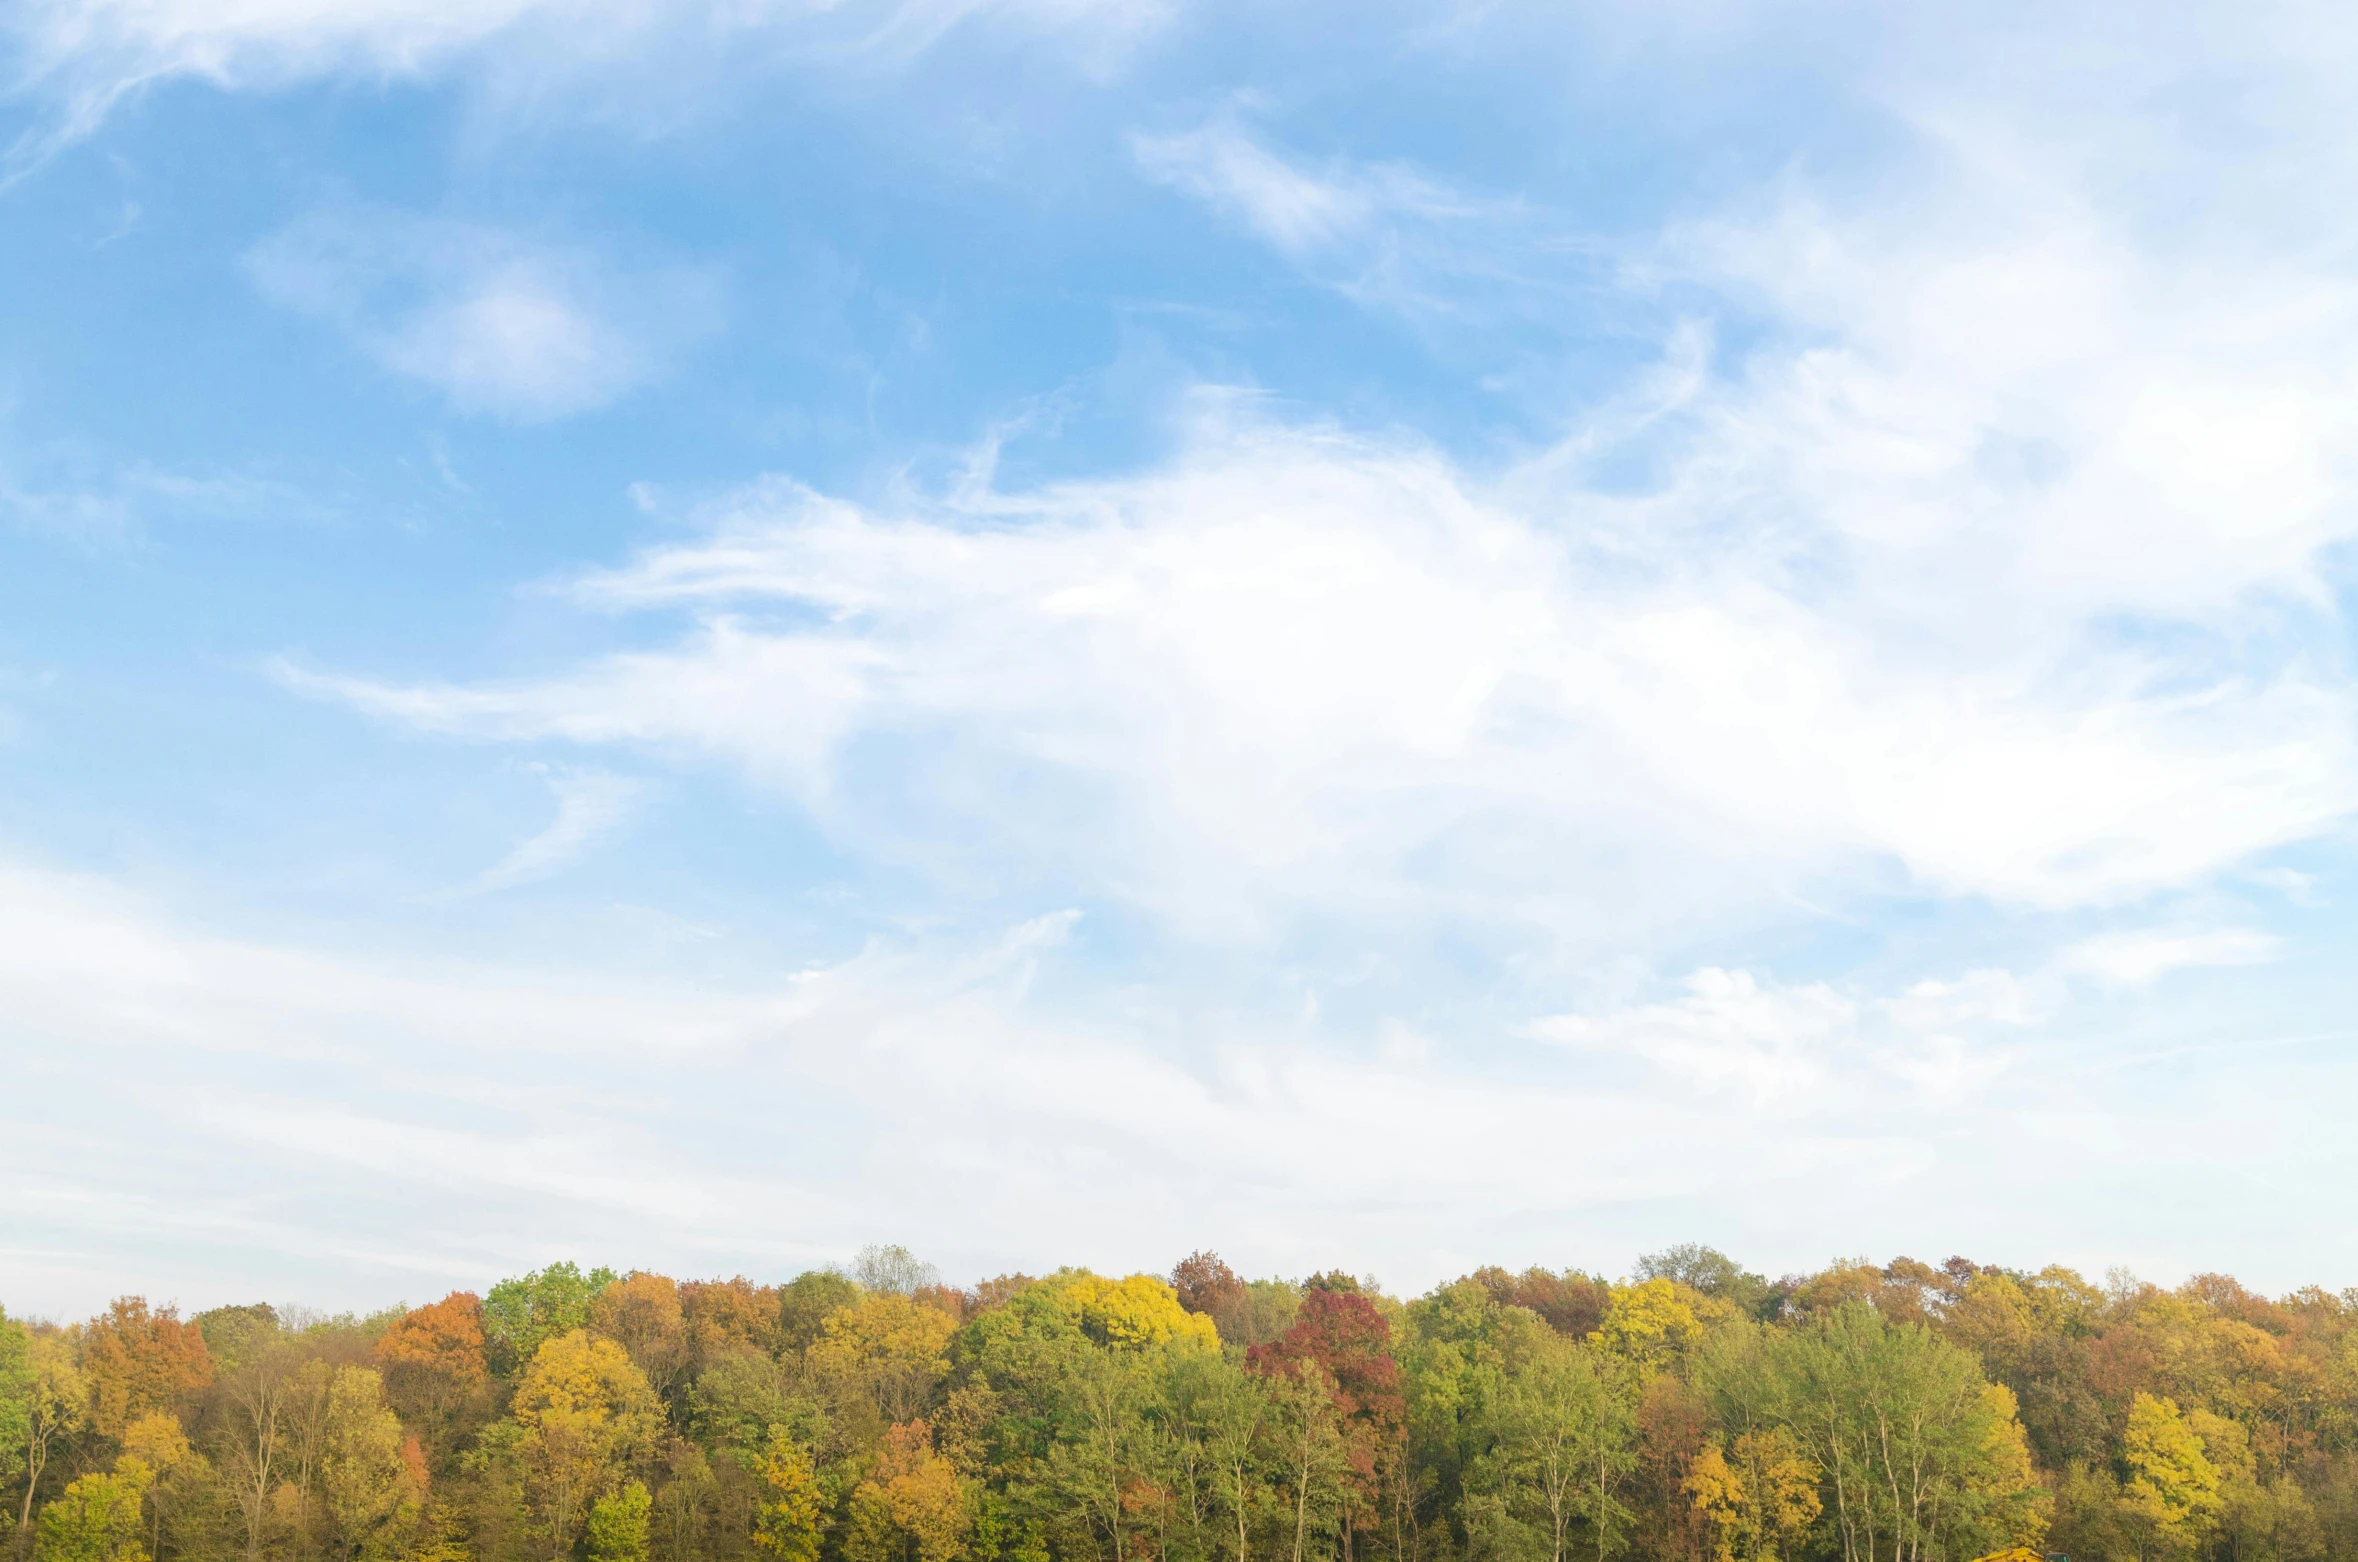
{"points": [[590, 805], [275, 1110], [86, 56]]}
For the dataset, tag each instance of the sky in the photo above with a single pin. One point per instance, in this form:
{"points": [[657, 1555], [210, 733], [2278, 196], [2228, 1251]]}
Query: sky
{"points": [[1380, 635]]}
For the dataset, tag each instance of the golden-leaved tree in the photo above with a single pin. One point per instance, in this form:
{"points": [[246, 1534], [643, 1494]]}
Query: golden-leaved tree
{"points": [[790, 1519], [912, 1507], [2173, 1488], [586, 1413], [882, 1357], [370, 1473], [1760, 1496]]}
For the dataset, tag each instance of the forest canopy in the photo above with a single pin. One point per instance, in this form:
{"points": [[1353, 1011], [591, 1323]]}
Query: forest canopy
{"points": [[1690, 1412]]}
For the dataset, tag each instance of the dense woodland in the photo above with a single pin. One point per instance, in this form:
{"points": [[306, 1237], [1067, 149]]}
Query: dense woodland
{"points": [[1693, 1411]]}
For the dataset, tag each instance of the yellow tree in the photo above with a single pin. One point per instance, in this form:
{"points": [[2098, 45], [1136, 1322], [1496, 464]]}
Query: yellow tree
{"points": [[791, 1518], [54, 1409], [883, 1356], [1131, 1313], [641, 1313], [97, 1517], [586, 1411], [2173, 1488], [912, 1507], [372, 1490], [1760, 1496], [157, 1441], [1649, 1324]]}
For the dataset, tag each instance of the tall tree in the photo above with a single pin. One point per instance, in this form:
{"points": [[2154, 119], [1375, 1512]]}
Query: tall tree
{"points": [[1349, 1341], [586, 1413], [1920, 1455], [157, 1441], [138, 1359], [253, 1435], [2173, 1486], [370, 1486], [55, 1408], [1204, 1284], [1760, 1496], [1565, 1440], [790, 1521]]}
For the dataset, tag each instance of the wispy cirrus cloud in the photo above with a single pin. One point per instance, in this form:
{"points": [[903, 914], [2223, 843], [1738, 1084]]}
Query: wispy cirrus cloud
{"points": [[1296, 209], [83, 57], [591, 804], [1381, 233], [498, 323]]}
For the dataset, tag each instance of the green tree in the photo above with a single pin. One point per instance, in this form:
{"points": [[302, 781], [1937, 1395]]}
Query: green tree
{"points": [[1103, 1442], [1712, 1272], [806, 1302], [525, 1312], [1222, 1413], [617, 1527], [1564, 1433], [1920, 1455], [1309, 1452], [17, 1382], [53, 1410], [97, 1518]]}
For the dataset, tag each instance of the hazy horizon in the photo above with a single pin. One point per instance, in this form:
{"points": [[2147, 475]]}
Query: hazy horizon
{"points": [[1397, 637]]}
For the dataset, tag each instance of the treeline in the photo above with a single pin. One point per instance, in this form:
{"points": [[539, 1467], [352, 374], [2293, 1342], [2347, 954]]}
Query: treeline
{"points": [[1693, 1411]]}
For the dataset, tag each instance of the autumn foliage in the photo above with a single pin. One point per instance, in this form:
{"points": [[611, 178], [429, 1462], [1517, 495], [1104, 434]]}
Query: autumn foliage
{"points": [[1691, 1412]]}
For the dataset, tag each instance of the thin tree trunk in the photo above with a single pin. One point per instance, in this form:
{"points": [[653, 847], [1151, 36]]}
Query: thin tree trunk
{"points": [[36, 1456]]}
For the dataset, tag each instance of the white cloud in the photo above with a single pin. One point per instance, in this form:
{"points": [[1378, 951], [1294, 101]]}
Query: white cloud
{"points": [[498, 323], [1294, 668], [288, 1106], [1221, 164], [1728, 1029], [1978, 999], [1996, 557], [2137, 958], [1381, 234], [88, 55], [590, 804], [197, 1115]]}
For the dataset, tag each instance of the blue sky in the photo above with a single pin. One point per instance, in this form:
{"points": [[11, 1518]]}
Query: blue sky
{"points": [[1060, 630]]}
